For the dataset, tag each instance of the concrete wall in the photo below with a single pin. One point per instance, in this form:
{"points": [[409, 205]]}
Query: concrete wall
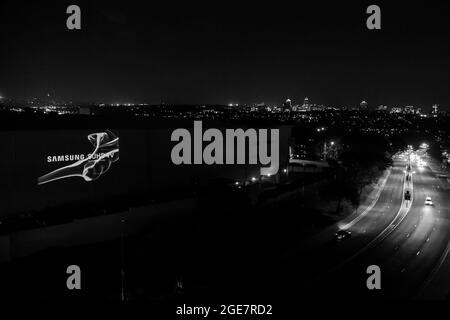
{"points": [[90, 230]]}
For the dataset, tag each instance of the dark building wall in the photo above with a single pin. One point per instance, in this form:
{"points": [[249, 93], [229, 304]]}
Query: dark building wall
{"points": [[144, 168]]}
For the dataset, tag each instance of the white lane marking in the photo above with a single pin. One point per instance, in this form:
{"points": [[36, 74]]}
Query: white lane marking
{"points": [[436, 268], [370, 207], [388, 230]]}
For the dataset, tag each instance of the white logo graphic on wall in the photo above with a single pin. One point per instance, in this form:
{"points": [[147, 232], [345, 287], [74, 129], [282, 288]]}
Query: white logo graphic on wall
{"points": [[91, 166]]}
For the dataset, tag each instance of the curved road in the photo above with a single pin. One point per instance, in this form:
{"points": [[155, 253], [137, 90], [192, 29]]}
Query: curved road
{"points": [[322, 253], [408, 256]]}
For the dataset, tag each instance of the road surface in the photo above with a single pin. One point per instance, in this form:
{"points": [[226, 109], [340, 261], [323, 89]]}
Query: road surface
{"points": [[406, 239], [409, 256]]}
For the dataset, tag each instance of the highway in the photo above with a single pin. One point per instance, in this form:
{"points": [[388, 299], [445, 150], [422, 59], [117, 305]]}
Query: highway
{"points": [[409, 255], [325, 253], [321, 254], [406, 239]]}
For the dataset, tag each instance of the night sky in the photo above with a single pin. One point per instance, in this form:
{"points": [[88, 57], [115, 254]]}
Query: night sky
{"points": [[222, 52]]}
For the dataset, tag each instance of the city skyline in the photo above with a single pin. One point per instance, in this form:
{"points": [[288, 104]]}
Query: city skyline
{"points": [[193, 155], [300, 105], [227, 54]]}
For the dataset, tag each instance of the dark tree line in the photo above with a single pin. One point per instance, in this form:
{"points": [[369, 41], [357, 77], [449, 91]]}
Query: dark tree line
{"points": [[362, 159]]}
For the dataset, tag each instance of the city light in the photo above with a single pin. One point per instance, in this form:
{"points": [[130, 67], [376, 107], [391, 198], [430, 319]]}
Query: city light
{"points": [[224, 186]]}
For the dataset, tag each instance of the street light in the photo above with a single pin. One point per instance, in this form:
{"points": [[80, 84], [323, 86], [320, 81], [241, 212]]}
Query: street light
{"points": [[122, 262]]}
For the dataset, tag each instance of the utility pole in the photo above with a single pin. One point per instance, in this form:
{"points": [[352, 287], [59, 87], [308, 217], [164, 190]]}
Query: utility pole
{"points": [[122, 259]]}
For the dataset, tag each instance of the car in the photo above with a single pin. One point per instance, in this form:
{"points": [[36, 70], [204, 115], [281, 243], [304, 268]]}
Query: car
{"points": [[428, 201], [342, 235], [407, 195]]}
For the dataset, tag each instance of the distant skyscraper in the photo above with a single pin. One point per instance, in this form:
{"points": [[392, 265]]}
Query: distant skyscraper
{"points": [[396, 110], [306, 105], [409, 109], [435, 110], [363, 105], [287, 105]]}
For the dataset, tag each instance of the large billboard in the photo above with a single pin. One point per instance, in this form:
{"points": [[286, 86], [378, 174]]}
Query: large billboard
{"points": [[46, 169], [43, 169], [88, 166]]}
